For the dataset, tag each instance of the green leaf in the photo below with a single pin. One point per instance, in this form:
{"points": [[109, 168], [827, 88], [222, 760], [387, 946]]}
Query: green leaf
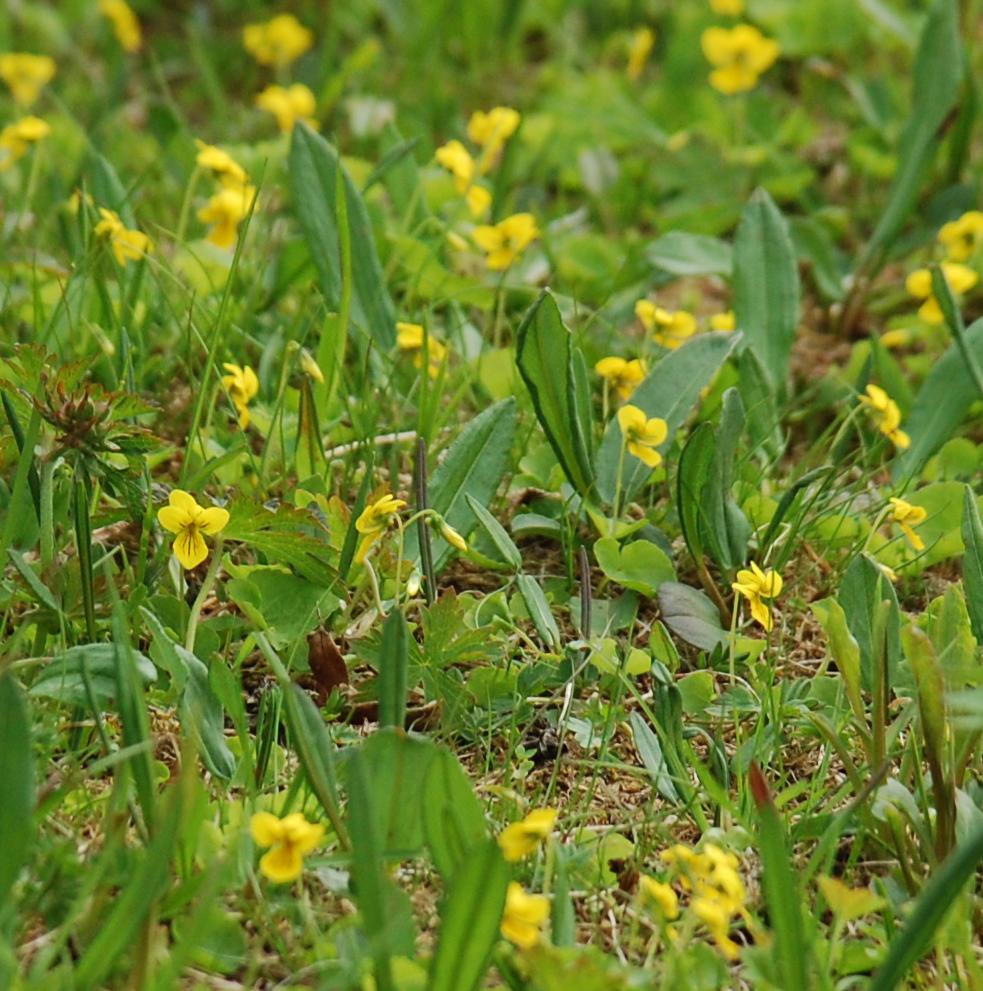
{"points": [[452, 817], [695, 463], [62, 678], [393, 661], [690, 615], [863, 588], [496, 532], [203, 717], [17, 784], [640, 565], [766, 286], [845, 651], [680, 253], [650, 751], [972, 532], [539, 610]]}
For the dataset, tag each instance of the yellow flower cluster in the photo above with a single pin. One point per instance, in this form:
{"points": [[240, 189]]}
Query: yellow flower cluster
{"points": [[961, 279], [243, 386], [126, 27], [669, 328], [409, 338], [756, 585], [26, 75], [621, 375], [127, 244], [277, 42], [233, 200], [886, 416], [288, 104], [960, 238], [504, 242], [739, 56]]}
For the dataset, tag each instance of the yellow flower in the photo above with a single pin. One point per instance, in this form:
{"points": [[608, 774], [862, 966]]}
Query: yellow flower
{"points": [[961, 278], [848, 903], [128, 245], [125, 24], [409, 337], [452, 536], [961, 237], [26, 75], [490, 131], [886, 416], [454, 157], [639, 50], [221, 165], [670, 328], [728, 8], [642, 435], [17, 138], [289, 839], [310, 367], [520, 839], [505, 241], [478, 200], [756, 586], [524, 916], [661, 895], [224, 211], [895, 338], [189, 521], [907, 516], [739, 56], [242, 385], [374, 522], [622, 376], [715, 917], [288, 104], [277, 42], [723, 321]]}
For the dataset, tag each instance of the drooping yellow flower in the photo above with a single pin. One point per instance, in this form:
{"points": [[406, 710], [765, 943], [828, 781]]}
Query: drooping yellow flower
{"points": [[524, 916], [375, 520], [127, 244], [225, 211], [490, 131], [289, 840], [17, 138], [410, 337], [519, 839], [907, 516], [184, 517], [725, 321], [26, 75], [221, 165], [243, 386], [727, 8], [756, 585], [661, 895], [639, 49], [621, 375], [126, 27], [739, 55], [962, 237], [288, 104], [278, 41], [310, 367], [642, 434], [670, 328], [454, 157], [886, 415], [505, 241], [452, 536], [961, 279]]}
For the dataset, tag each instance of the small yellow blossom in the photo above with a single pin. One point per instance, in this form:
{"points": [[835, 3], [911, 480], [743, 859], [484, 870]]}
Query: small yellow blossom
{"points": [[410, 337], [454, 157], [184, 517], [242, 386], [639, 49], [478, 200], [452, 536], [505, 241], [127, 244], [288, 104], [26, 75], [621, 375], [715, 917], [907, 516], [642, 434], [374, 522], [848, 903], [524, 916], [221, 165], [17, 138], [661, 895], [310, 367], [962, 237], [277, 42], [886, 415], [727, 8], [756, 585], [490, 131], [289, 839], [961, 278], [126, 27], [670, 329], [519, 839], [725, 321], [739, 56], [896, 338], [225, 211]]}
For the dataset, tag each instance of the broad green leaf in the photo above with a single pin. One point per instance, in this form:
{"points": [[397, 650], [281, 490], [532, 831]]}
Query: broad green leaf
{"points": [[452, 817], [539, 610], [680, 253], [62, 678], [863, 587], [650, 751], [972, 533], [758, 396], [640, 565], [393, 661], [845, 651], [17, 783], [695, 464], [691, 615], [203, 718], [497, 533]]}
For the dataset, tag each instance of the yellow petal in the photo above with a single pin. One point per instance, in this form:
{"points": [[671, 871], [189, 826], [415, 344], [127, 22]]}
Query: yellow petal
{"points": [[190, 548], [213, 519], [183, 500], [174, 519], [761, 612], [265, 828], [283, 863]]}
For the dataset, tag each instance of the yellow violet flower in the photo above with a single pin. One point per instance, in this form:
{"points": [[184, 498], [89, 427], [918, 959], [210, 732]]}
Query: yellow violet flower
{"points": [[490, 131], [961, 237], [478, 200], [907, 516], [522, 838], [374, 522], [639, 49], [288, 104], [243, 386], [725, 321], [409, 337], [454, 157], [17, 138], [126, 27], [289, 839], [739, 56], [225, 211], [277, 42], [26, 75], [127, 244], [524, 916], [661, 895], [642, 434], [670, 328], [184, 517], [715, 917], [886, 415], [728, 8], [756, 585], [452, 537], [621, 375], [221, 165], [961, 278], [505, 241], [896, 338]]}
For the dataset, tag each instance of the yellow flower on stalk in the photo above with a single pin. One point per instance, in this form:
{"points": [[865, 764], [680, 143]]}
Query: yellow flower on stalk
{"points": [[184, 517], [907, 516], [519, 839], [725, 321], [410, 337], [961, 278], [661, 895], [739, 55], [639, 49], [454, 157], [524, 916], [310, 367], [289, 839], [670, 329], [490, 131], [278, 41], [375, 520], [886, 415], [243, 386], [127, 244], [505, 241], [288, 104], [126, 27], [225, 211], [642, 434], [728, 8], [26, 75], [756, 585], [17, 138], [478, 200], [962, 237], [452, 536], [221, 165], [621, 375]]}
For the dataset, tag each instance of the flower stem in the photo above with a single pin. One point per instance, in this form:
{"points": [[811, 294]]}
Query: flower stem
{"points": [[615, 506], [203, 592]]}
